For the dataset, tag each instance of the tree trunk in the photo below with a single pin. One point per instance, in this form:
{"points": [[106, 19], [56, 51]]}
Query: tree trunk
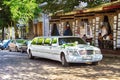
{"points": [[3, 35], [15, 28]]}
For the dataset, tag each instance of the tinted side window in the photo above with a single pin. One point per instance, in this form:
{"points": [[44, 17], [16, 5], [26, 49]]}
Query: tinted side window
{"points": [[54, 40], [34, 41], [70, 40], [40, 41], [47, 41]]}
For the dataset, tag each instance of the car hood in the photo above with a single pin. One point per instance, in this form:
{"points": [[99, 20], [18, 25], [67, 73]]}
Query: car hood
{"points": [[83, 47], [1, 44]]}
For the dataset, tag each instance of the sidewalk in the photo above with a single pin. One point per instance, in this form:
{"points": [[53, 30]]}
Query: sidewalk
{"points": [[111, 53]]}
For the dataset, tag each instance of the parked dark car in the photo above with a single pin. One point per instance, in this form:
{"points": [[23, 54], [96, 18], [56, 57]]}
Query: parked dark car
{"points": [[4, 44]]}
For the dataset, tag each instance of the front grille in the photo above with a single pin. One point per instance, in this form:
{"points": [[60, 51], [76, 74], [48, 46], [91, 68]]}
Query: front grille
{"points": [[89, 52]]}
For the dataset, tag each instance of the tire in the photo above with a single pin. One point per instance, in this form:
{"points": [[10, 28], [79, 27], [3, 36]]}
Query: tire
{"points": [[63, 61], [16, 49], [9, 49], [2, 48], [21, 50], [95, 63], [30, 55]]}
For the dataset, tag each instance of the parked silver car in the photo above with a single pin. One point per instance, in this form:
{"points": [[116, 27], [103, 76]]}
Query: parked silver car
{"points": [[18, 45]]}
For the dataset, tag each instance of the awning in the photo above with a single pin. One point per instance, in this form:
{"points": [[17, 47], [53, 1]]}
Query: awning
{"points": [[111, 7]]}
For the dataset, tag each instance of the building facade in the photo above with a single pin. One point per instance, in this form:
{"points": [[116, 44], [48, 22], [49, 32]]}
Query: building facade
{"points": [[103, 19]]}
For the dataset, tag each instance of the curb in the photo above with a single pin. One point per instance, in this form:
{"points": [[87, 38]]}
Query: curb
{"points": [[111, 55]]}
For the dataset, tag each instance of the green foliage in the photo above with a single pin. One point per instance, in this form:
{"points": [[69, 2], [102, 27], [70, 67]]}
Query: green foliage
{"points": [[47, 41], [54, 40], [68, 5], [56, 5], [93, 3], [34, 41], [5, 15], [28, 9], [40, 41], [14, 10], [22, 9]]}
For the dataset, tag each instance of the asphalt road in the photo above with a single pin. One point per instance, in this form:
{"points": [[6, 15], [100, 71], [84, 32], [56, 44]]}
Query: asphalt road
{"points": [[17, 66]]}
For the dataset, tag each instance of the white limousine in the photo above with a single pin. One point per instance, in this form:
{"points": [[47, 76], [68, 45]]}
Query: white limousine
{"points": [[66, 49]]}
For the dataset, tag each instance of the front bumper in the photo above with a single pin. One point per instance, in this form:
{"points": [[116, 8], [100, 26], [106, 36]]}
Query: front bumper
{"points": [[84, 58]]}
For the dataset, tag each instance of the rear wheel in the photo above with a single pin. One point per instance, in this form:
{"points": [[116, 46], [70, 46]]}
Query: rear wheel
{"points": [[30, 55], [63, 61]]}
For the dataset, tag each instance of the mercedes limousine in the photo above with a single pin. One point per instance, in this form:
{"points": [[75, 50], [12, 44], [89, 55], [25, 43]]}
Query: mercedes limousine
{"points": [[66, 49]]}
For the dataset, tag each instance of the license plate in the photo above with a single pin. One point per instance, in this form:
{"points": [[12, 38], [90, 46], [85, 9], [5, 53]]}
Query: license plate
{"points": [[87, 57]]}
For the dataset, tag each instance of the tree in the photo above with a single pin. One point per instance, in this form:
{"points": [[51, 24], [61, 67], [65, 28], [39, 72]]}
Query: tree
{"points": [[23, 10], [5, 17], [69, 5]]}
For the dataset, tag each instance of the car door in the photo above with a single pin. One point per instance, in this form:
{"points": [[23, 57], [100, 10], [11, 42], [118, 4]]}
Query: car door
{"points": [[24, 46], [45, 48], [33, 47], [55, 49], [40, 49], [12, 45]]}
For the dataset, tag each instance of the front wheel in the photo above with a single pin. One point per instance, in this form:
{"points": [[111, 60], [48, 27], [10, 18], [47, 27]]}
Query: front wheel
{"points": [[63, 61], [21, 50], [16, 49], [9, 49], [30, 55], [95, 63]]}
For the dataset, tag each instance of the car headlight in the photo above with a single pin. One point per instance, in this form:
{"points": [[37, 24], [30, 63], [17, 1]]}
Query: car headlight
{"points": [[97, 51], [72, 52]]}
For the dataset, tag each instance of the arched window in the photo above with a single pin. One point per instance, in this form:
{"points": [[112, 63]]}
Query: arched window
{"points": [[68, 31], [55, 31]]}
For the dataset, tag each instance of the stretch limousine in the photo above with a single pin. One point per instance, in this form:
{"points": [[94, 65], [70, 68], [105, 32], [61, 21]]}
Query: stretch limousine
{"points": [[66, 49]]}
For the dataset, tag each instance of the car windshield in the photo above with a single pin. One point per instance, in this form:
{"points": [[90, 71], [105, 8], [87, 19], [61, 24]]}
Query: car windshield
{"points": [[71, 40]]}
